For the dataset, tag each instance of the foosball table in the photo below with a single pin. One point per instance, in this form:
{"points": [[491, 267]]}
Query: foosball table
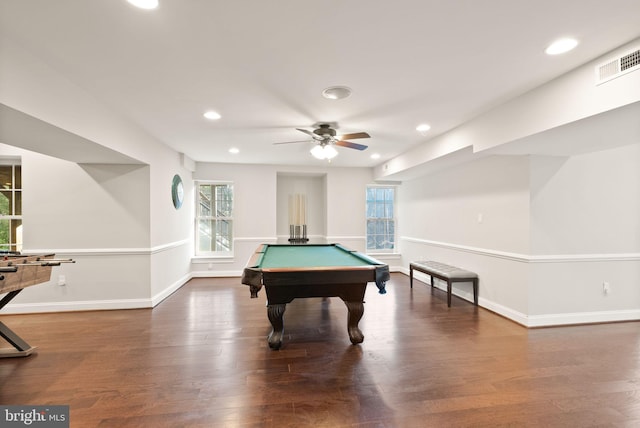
{"points": [[17, 272]]}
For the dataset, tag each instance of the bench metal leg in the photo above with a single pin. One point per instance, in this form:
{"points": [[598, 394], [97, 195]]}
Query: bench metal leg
{"points": [[475, 291], [449, 289], [411, 276]]}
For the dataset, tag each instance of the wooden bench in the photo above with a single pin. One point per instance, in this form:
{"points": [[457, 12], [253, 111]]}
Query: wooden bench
{"points": [[447, 273]]}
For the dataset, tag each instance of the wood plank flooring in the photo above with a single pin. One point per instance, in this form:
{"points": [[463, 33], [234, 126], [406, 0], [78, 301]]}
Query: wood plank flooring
{"points": [[201, 359]]}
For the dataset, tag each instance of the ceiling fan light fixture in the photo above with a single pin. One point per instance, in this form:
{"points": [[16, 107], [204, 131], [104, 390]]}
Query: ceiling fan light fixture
{"points": [[336, 92], [324, 152]]}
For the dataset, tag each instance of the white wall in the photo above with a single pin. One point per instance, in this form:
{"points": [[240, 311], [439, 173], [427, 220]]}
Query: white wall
{"points": [[134, 227], [97, 215], [475, 216], [598, 193], [256, 207], [585, 230], [346, 206], [553, 230], [314, 187], [105, 206], [484, 204]]}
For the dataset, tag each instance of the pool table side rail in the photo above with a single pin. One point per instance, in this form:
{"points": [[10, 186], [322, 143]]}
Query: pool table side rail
{"points": [[382, 274]]}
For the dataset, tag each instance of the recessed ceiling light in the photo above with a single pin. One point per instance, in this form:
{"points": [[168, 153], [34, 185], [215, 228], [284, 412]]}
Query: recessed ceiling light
{"points": [[561, 46], [212, 115], [144, 4], [423, 128], [336, 92], [375, 156], [234, 150]]}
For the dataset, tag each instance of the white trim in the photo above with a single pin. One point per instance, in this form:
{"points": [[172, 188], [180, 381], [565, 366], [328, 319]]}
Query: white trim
{"points": [[556, 320], [93, 251], [201, 260], [86, 305], [569, 258], [159, 297], [527, 258], [216, 274], [549, 320], [96, 305], [169, 246], [482, 251], [511, 314], [111, 251]]}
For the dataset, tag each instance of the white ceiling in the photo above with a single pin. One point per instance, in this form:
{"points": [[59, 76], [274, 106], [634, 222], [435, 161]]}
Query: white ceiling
{"points": [[263, 64]]}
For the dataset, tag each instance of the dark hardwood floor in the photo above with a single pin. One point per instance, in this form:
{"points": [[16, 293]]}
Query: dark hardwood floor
{"points": [[200, 359]]}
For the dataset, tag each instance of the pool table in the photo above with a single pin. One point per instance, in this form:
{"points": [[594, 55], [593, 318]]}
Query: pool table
{"points": [[312, 270]]}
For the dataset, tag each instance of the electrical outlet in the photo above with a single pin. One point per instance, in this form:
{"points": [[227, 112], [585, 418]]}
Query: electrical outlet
{"points": [[606, 287], [62, 280]]}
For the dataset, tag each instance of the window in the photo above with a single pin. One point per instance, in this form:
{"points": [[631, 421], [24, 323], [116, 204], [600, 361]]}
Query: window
{"points": [[214, 218], [10, 205], [381, 229]]}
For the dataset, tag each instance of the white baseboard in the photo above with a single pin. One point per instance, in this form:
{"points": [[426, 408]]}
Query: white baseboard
{"points": [[549, 320], [155, 300], [89, 305], [95, 305], [216, 274]]}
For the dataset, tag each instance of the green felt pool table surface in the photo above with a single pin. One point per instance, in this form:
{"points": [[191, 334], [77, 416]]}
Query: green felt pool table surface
{"points": [[310, 256]]}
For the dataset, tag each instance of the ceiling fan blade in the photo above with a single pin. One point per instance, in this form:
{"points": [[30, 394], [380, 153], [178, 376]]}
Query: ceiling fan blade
{"points": [[314, 136], [350, 145], [354, 136]]}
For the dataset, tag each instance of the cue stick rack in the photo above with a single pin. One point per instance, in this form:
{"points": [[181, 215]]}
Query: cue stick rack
{"points": [[298, 218]]}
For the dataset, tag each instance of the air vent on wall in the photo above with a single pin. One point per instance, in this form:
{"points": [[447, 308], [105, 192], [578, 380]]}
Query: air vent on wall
{"points": [[617, 67]]}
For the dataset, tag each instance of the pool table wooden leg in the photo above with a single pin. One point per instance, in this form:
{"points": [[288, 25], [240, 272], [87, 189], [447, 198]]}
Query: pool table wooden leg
{"points": [[356, 310], [275, 314]]}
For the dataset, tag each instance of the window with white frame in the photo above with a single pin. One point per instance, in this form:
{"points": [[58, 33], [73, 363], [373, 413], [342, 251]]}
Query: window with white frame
{"points": [[214, 218], [10, 205], [381, 222]]}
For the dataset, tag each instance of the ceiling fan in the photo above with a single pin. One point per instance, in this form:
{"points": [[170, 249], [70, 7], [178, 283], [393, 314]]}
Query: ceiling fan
{"points": [[326, 137]]}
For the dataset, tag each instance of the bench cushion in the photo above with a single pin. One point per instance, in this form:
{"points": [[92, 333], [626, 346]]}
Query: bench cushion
{"points": [[444, 270]]}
